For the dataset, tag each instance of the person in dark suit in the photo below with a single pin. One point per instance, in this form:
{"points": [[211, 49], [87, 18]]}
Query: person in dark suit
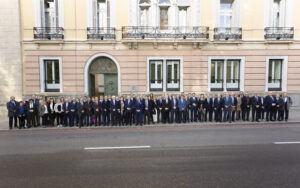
{"points": [[187, 114], [246, 104], [287, 104], [193, 108], [280, 107], [106, 111], [97, 106], [73, 112], [166, 109], [133, 110], [218, 108], [89, 113], [51, 111], [114, 111], [147, 109], [37, 104], [12, 106], [262, 106], [82, 109], [234, 105], [139, 112], [208, 107], [255, 104], [227, 108], [25, 104], [174, 109], [127, 108], [21, 111], [159, 108], [66, 112], [182, 109], [30, 113], [270, 104]]}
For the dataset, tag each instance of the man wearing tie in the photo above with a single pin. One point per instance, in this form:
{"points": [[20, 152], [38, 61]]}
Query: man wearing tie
{"points": [[73, 112], [128, 108], [193, 107], [234, 106], [166, 109], [139, 112], [113, 111], [287, 104], [31, 110], [174, 109], [227, 107], [82, 111], [246, 102], [106, 111], [12, 106], [271, 105], [255, 108], [159, 108], [182, 109], [97, 106], [67, 112], [208, 106], [262, 106], [218, 108]]}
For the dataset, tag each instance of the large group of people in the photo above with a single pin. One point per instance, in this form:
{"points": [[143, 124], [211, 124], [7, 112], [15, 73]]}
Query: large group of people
{"points": [[136, 109]]}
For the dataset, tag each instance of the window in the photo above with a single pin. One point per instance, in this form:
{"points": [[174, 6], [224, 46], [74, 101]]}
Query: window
{"points": [[226, 13], [51, 74], [276, 13], [183, 17], [217, 67], [233, 75], [102, 14], [275, 75], [156, 75], [173, 75], [164, 73], [50, 13], [226, 73], [164, 17]]}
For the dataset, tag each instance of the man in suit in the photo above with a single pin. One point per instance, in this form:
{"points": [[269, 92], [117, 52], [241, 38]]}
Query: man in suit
{"points": [[270, 104], [208, 107], [37, 104], [287, 104], [133, 110], [255, 103], [106, 111], [128, 108], [147, 109], [213, 97], [280, 107], [193, 107], [174, 109], [12, 106], [227, 107], [166, 109], [159, 108], [262, 106], [246, 103], [218, 108], [139, 111], [73, 112], [30, 113], [82, 109], [114, 111], [97, 106], [234, 105], [66, 112], [182, 109]]}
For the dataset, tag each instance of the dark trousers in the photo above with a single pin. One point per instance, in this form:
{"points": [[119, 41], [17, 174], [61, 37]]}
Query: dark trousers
{"points": [[51, 119], [98, 118], [37, 118], [182, 116], [253, 113], [274, 113], [269, 115], [262, 113], [81, 119], [73, 119], [88, 120], [133, 112], [158, 115], [139, 118], [114, 117], [245, 114], [60, 118], [202, 115], [166, 117], [218, 115], [280, 115], [233, 115], [210, 113], [174, 116], [106, 118], [128, 118], [193, 114], [21, 122], [227, 114], [45, 120], [286, 114], [31, 120], [66, 119], [147, 115], [11, 120]]}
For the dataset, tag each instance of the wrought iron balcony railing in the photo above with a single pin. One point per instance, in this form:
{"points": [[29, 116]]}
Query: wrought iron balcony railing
{"points": [[101, 33], [48, 33], [228, 33], [140, 32], [279, 33], [217, 85]]}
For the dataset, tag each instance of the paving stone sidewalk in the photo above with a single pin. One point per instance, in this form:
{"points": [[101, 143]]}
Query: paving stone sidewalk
{"points": [[294, 118]]}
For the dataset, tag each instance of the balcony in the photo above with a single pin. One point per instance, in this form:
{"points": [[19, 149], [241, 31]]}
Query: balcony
{"points": [[48, 33], [279, 33], [227, 33], [274, 84], [217, 85], [233, 84], [96, 33], [165, 33]]}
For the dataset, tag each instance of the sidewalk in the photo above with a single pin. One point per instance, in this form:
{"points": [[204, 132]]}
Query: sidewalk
{"points": [[294, 118]]}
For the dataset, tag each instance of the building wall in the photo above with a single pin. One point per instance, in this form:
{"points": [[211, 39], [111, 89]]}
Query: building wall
{"points": [[10, 52]]}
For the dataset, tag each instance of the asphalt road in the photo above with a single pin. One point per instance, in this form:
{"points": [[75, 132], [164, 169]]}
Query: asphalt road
{"points": [[218, 157]]}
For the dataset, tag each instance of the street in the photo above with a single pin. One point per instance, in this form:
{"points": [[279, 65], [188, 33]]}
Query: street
{"points": [[212, 156]]}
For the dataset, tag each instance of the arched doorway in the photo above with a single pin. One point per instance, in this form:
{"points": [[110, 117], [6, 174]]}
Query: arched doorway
{"points": [[102, 76]]}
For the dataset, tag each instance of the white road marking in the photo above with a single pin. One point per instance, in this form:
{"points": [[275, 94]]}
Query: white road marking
{"points": [[287, 142], [117, 147]]}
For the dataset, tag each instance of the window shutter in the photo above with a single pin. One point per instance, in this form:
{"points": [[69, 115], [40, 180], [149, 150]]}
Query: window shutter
{"points": [[282, 13], [42, 13], [94, 12], [217, 12], [57, 8]]}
